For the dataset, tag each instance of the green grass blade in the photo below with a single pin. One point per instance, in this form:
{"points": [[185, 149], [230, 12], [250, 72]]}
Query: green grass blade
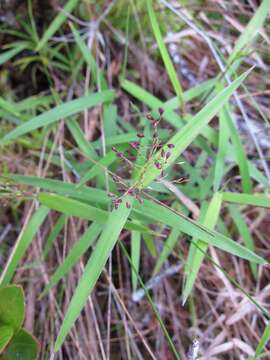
{"points": [[164, 53], [135, 257], [210, 221], [239, 152], [9, 54], [59, 112], [23, 243], [77, 250], [80, 139], [56, 23], [184, 137], [53, 235], [263, 342], [251, 30], [167, 249], [107, 160], [159, 213], [246, 199], [85, 193], [105, 244], [244, 232], [81, 210], [223, 143]]}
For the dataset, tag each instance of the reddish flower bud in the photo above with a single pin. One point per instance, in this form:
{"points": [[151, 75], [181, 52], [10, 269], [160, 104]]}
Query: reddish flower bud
{"points": [[116, 206], [162, 152], [171, 146], [135, 145], [140, 135], [161, 111], [119, 154], [158, 165], [128, 205], [168, 154]]}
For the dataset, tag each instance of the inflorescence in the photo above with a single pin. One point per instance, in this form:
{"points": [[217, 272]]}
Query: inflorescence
{"points": [[129, 160]]}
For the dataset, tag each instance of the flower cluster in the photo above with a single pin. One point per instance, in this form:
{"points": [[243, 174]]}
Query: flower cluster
{"points": [[128, 159]]}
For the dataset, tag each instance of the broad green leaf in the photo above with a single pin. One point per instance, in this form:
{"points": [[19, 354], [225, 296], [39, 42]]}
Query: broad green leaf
{"points": [[6, 333], [57, 113], [12, 306], [22, 244], [164, 53], [93, 269], [246, 199], [193, 268], [56, 23], [75, 253], [263, 342], [23, 346], [184, 137]]}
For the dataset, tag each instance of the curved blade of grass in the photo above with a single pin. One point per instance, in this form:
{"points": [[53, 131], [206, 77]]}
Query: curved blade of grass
{"points": [[244, 232], [22, 244], [59, 112], [84, 145], [105, 244], [193, 268], [167, 249], [88, 57], [53, 235], [246, 199], [223, 142], [251, 30], [164, 53], [85, 193], [56, 23], [178, 221], [9, 54], [184, 137], [239, 152], [264, 340], [77, 250]]}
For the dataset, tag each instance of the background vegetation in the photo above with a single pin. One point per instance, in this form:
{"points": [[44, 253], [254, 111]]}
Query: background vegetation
{"points": [[135, 176]]}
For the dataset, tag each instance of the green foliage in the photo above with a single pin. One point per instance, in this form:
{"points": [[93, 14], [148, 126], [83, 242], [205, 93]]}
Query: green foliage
{"points": [[15, 342]]}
